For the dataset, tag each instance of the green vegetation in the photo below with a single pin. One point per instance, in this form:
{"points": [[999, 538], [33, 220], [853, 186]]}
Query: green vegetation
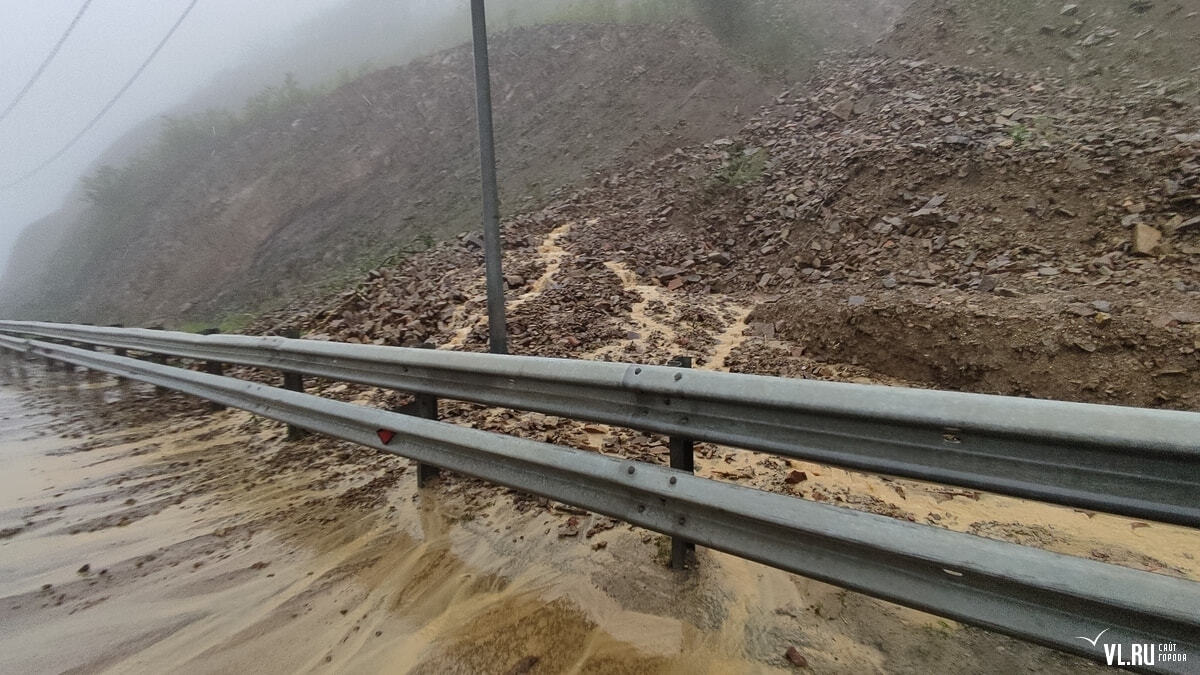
{"points": [[121, 195], [124, 199], [350, 275], [744, 166]]}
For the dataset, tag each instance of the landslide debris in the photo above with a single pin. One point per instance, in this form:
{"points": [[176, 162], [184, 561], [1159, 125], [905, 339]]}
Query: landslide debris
{"points": [[1147, 46], [892, 220]]}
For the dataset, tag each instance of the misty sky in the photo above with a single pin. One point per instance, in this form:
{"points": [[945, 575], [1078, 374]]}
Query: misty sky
{"points": [[109, 43]]}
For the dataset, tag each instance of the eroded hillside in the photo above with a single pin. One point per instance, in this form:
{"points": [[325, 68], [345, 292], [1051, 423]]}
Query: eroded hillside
{"points": [[891, 221], [386, 160], [1124, 45]]}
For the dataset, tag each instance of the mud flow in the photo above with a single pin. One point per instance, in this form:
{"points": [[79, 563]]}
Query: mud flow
{"points": [[143, 533]]}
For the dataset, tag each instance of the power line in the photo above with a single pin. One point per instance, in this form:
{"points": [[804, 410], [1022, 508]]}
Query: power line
{"points": [[108, 106], [46, 63]]}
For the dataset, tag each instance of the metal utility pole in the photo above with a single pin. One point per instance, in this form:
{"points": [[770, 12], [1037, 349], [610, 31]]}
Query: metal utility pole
{"points": [[497, 328]]}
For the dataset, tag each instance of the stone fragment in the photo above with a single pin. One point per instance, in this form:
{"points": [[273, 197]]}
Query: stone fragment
{"points": [[1186, 317], [796, 658], [796, 477], [1145, 239], [844, 109]]}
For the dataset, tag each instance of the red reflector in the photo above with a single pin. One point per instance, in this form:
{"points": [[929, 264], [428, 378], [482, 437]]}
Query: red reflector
{"points": [[386, 436]]}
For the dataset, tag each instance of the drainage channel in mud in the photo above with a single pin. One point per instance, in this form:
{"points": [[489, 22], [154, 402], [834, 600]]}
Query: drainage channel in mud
{"points": [[549, 256]]}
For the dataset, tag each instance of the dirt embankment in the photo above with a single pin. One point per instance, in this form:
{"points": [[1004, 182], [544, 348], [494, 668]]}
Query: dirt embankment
{"points": [[902, 222]]}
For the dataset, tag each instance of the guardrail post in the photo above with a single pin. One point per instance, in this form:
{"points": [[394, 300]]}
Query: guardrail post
{"points": [[88, 372], [17, 366], [119, 351], [51, 364], [61, 365], [214, 368], [683, 459], [159, 359], [424, 406], [293, 382]]}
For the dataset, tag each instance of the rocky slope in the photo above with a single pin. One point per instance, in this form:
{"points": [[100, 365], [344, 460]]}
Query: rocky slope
{"points": [[900, 222], [1148, 45]]}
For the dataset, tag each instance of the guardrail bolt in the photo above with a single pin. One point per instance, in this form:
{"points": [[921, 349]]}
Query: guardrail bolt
{"points": [[424, 406], [682, 458], [293, 382]]}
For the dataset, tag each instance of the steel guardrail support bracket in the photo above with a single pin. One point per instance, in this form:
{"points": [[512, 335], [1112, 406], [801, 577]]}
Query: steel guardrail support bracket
{"points": [[119, 351], [157, 358], [424, 406], [293, 381], [214, 368], [683, 458]]}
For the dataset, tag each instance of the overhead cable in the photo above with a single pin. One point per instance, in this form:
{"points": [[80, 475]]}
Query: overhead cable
{"points": [[108, 106]]}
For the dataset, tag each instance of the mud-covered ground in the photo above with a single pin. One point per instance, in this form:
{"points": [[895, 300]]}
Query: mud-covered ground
{"points": [[143, 532]]}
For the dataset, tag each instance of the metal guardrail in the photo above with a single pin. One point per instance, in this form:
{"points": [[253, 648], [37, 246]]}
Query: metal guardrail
{"points": [[1040, 596], [1128, 461]]}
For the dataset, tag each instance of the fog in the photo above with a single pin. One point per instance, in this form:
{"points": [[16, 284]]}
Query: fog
{"points": [[228, 50], [209, 61]]}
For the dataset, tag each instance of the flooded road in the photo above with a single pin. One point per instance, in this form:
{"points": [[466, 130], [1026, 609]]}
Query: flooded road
{"points": [[142, 533], [112, 560]]}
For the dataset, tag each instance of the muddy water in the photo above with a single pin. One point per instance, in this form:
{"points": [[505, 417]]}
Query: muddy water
{"points": [[199, 561], [208, 583]]}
